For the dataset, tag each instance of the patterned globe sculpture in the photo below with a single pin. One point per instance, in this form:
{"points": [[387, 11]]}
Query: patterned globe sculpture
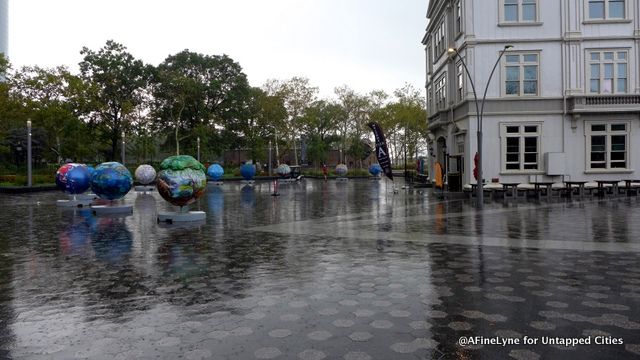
{"points": [[375, 170], [111, 181], [145, 174], [181, 180], [248, 171], [215, 172], [341, 169], [73, 178], [91, 170], [283, 170]]}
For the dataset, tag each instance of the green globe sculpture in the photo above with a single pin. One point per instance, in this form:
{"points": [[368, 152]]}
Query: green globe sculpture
{"points": [[181, 180]]}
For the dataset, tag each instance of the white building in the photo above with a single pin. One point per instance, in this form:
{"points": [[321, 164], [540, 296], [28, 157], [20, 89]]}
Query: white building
{"points": [[564, 102]]}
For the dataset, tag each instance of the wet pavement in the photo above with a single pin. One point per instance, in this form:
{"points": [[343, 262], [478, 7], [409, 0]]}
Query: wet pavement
{"points": [[327, 270]]}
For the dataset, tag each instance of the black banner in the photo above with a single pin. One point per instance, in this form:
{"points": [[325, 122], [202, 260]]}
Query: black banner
{"points": [[382, 152]]}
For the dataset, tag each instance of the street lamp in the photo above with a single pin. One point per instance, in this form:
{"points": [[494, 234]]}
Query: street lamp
{"points": [[29, 181], [198, 148], [123, 146], [479, 112]]}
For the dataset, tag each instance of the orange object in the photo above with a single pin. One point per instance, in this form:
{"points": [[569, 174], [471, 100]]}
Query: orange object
{"points": [[439, 176]]}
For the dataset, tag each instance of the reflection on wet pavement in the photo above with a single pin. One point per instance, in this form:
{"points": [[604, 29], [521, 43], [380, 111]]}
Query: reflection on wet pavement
{"points": [[326, 270]]}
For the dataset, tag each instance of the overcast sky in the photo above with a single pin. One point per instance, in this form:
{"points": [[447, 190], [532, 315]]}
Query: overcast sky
{"points": [[366, 44]]}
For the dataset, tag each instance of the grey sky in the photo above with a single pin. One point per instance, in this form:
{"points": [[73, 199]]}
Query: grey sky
{"points": [[366, 44]]}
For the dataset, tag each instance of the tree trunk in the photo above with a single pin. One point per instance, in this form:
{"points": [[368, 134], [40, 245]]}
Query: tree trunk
{"points": [[177, 142], [59, 149]]}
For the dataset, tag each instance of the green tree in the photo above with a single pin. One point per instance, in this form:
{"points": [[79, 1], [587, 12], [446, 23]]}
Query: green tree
{"points": [[319, 127], [54, 100], [117, 80], [200, 94], [297, 94]]}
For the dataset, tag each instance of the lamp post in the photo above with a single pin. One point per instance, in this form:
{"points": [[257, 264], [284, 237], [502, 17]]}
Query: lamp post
{"points": [[270, 160], [479, 112], [29, 180], [123, 146], [198, 141]]}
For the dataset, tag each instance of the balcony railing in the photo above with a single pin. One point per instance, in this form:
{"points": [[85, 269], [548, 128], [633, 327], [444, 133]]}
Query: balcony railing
{"points": [[598, 103]]}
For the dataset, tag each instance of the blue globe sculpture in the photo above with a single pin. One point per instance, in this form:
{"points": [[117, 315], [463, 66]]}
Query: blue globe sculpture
{"points": [[215, 172], [91, 170], [375, 170], [248, 171], [111, 181], [73, 178]]}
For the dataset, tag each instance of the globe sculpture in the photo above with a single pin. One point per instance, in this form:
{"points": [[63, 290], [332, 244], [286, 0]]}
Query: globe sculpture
{"points": [[145, 174], [73, 178], [111, 181], [283, 170], [91, 170], [215, 172], [341, 169], [248, 171], [181, 180], [375, 169]]}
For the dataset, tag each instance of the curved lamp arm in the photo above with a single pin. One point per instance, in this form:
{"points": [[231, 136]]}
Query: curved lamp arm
{"points": [[484, 97]]}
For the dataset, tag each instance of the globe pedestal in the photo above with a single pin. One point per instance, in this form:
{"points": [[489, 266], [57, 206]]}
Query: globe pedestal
{"points": [[376, 178], [144, 188], [342, 179], [75, 201], [112, 209], [216, 183], [248, 182], [171, 217], [89, 196]]}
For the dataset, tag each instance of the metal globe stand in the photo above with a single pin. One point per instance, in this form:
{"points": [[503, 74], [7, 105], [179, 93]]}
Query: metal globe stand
{"points": [[248, 182], [144, 188], [112, 209], [74, 201], [184, 215]]}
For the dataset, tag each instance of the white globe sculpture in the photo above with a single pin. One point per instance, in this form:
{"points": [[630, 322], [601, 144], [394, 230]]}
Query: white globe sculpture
{"points": [[341, 169], [145, 174], [283, 170]]}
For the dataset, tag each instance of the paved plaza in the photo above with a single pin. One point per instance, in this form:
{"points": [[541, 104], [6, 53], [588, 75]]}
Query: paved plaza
{"points": [[327, 270]]}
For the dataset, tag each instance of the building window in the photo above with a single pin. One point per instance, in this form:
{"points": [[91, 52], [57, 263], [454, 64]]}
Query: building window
{"points": [[606, 9], [607, 145], [608, 72], [429, 98], [460, 80], [460, 144], [520, 147], [459, 17], [439, 41], [520, 10], [429, 57], [521, 74], [441, 92]]}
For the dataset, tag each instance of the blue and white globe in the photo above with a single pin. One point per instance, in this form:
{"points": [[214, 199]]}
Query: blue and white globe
{"points": [[215, 172], [341, 169], [375, 169], [283, 170], [73, 178], [248, 171], [111, 181], [145, 174]]}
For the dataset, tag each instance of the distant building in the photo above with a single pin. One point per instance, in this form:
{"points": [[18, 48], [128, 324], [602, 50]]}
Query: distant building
{"points": [[564, 102], [4, 27]]}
